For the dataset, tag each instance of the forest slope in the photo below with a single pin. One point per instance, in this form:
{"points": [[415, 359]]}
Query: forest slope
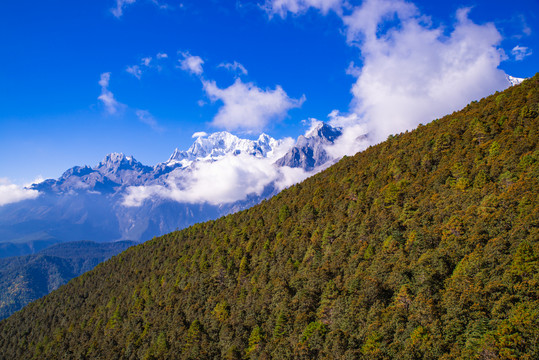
{"points": [[24, 279], [422, 247]]}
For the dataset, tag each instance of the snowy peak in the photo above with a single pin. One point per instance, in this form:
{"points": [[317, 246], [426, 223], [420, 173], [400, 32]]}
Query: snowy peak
{"points": [[514, 80], [115, 160], [219, 144], [324, 132], [122, 169]]}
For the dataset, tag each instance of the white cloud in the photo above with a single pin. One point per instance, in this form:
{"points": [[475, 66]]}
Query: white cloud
{"points": [[312, 123], [364, 23], [145, 64], [520, 52], [247, 107], [107, 97], [11, 193], [353, 70], [39, 179], [120, 5], [192, 64], [104, 80], [354, 134], [146, 61], [235, 67], [199, 134], [239, 176], [410, 71], [290, 176], [135, 71], [162, 6], [148, 119], [413, 73], [282, 7]]}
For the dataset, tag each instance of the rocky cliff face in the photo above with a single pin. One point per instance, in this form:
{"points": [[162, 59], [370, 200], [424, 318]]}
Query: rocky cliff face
{"points": [[310, 149]]}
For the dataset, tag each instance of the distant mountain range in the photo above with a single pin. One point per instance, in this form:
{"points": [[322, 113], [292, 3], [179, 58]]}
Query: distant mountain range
{"points": [[88, 203]]}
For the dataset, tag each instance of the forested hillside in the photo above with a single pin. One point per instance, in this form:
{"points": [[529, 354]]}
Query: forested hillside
{"points": [[24, 279], [422, 247]]}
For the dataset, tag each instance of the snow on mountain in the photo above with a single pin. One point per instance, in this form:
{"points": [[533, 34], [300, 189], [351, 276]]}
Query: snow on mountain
{"points": [[90, 202], [115, 170], [118, 171], [214, 146], [514, 80], [122, 169]]}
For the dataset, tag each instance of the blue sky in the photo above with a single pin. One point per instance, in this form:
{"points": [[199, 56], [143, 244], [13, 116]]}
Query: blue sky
{"points": [[81, 79]]}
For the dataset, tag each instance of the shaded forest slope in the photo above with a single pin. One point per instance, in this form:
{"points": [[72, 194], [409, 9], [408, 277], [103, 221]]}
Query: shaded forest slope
{"points": [[24, 279], [422, 247]]}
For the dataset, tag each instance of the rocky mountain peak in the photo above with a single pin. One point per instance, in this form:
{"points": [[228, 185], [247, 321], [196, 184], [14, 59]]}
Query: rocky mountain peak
{"points": [[309, 151]]}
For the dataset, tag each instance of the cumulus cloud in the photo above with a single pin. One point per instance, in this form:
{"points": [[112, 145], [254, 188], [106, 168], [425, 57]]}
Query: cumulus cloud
{"points": [[107, 97], [247, 107], [120, 5], [520, 52], [145, 117], [282, 7], [11, 193], [239, 176], [235, 67], [413, 73], [192, 64], [409, 71], [162, 56], [354, 136]]}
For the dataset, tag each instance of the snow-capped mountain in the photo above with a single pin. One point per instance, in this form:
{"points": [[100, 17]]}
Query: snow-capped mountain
{"points": [[514, 80], [309, 151], [219, 144], [118, 171], [114, 171], [88, 203]]}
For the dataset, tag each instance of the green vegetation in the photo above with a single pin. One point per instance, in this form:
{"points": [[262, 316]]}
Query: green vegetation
{"points": [[423, 247], [27, 278]]}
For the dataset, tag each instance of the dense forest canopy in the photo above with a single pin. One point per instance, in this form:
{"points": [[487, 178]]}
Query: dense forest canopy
{"points": [[422, 247], [24, 279]]}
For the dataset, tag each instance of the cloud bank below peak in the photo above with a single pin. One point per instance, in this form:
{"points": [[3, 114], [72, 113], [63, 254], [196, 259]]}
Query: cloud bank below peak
{"points": [[240, 175]]}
